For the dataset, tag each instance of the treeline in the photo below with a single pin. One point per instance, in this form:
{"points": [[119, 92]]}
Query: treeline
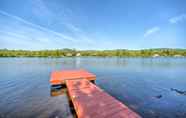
{"points": [[103, 53]]}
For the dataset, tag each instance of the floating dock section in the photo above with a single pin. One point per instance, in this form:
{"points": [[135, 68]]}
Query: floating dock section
{"points": [[90, 101], [59, 77]]}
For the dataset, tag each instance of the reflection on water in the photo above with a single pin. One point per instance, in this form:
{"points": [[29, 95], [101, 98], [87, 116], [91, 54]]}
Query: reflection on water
{"points": [[144, 84]]}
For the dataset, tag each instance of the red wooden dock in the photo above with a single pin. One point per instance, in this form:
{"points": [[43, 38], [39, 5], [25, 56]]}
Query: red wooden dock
{"points": [[90, 101], [59, 77]]}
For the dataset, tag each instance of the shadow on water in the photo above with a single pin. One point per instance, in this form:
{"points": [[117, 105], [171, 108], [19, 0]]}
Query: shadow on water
{"points": [[57, 90]]}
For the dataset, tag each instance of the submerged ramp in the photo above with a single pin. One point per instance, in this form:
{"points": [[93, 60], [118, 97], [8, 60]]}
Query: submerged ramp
{"points": [[92, 102]]}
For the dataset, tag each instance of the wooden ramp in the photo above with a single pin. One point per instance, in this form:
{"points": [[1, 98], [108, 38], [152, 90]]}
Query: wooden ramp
{"points": [[92, 102], [59, 77]]}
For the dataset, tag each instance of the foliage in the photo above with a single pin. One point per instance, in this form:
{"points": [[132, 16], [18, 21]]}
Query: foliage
{"points": [[103, 53]]}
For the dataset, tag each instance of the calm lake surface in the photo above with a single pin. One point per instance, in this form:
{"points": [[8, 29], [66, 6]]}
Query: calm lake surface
{"points": [[143, 84]]}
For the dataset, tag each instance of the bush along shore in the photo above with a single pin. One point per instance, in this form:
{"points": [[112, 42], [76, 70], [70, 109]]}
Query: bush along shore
{"points": [[163, 52]]}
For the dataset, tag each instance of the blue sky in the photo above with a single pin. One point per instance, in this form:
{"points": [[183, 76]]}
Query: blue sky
{"points": [[92, 24]]}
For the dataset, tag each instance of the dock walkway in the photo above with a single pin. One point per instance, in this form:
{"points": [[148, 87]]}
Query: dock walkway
{"points": [[92, 102]]}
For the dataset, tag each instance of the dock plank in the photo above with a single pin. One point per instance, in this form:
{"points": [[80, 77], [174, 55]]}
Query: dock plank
{"points": [[92, 102]]}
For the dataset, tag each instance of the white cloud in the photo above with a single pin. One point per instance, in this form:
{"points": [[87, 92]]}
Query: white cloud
{"points": [[151, 31], [80, 34], [72, 27], [177, 19], [63, 36]]}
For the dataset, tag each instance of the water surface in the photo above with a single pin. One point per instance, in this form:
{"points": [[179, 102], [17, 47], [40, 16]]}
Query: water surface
{"points": [[144, 84]]}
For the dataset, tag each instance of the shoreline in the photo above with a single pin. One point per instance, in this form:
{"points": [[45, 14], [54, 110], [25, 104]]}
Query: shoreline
{"points": [[58, 53]]}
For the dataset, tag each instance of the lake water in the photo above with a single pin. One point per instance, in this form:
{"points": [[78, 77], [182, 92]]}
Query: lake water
{"points": [[143, 84]]}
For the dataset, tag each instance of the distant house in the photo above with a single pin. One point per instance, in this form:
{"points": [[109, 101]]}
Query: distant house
{"points": [[78, 54], [69, 54], [156, 55]]}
